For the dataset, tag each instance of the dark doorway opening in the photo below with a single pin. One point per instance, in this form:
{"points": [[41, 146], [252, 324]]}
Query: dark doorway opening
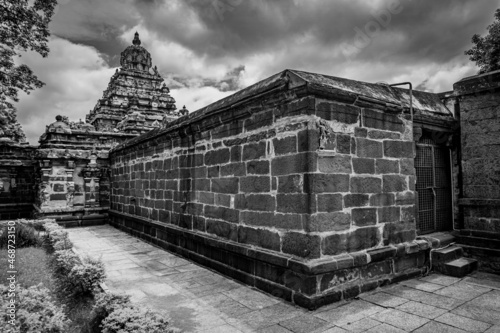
{"points": [[432, 165]]}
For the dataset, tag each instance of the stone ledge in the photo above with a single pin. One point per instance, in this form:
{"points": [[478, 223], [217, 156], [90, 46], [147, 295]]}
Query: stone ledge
{"points": [[309, 284], [478, 202]]}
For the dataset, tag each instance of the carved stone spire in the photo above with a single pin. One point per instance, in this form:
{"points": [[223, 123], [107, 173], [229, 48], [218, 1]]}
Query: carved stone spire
{"points": [[136, 40]]}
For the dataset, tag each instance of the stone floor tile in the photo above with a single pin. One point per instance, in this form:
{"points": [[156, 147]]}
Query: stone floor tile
{"points": [[487, 283], [467, 324], [335, 329], [490, 300], [480, 313], [433, 327], [462, 291], [349, 312], [255, 320], [422, 285], [174, 262], [493, 329], [199, 300], [384, 299], [153, 265], [440, 279], [274, 329], [385, 328], [439, 301], [122, 266], [422, 310], [282, 310], [188, 268], [251, 298], [400, 319], [361, 325], [303, 324]]}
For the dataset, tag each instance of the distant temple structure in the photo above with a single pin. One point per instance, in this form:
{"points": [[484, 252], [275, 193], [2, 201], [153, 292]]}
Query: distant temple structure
{"points": [[71, 169], [311, 187]]}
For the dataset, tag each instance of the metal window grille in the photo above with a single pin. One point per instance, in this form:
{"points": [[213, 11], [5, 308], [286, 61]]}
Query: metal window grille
{"points": [[433, 186]]}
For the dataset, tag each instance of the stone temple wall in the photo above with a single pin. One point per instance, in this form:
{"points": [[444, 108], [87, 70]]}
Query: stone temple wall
{"points": [[304, 192], [480, 139], [17, 180], [479, 100]]}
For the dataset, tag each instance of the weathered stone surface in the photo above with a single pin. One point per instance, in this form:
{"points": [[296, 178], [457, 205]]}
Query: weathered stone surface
{"points": [[364, 216], [335, 164], [335, 221], [363, 165], [302, 245], [365, 185], [368, 148], [356, 200]]}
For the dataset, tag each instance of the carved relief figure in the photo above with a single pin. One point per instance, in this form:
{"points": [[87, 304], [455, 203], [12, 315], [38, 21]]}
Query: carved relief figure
{"points": [[70, 188]]}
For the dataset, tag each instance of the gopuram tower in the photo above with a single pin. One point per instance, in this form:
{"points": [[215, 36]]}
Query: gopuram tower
{"points": [[136, 99], [72, 164]]}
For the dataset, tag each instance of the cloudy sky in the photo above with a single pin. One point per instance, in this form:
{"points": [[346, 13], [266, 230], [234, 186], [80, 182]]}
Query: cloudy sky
{"points": [[208, 49]]}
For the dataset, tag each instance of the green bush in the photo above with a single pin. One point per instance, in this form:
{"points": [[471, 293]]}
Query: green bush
{"points": [[25, 234], [74, 276], [121, 316], [35, 311]]}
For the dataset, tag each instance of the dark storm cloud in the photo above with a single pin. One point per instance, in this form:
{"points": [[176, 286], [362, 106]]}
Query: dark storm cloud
{"points": [[427, 30]]}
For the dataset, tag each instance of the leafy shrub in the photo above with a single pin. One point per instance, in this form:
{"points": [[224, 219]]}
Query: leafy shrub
{"points": [[25, 235], [77, 277], [121, 316], [35, 311]]}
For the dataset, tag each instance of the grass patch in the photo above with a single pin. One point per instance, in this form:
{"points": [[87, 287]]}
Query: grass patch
{"points": [[32, 265]]}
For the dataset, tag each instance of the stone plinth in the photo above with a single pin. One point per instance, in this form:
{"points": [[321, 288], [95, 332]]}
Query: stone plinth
{"points": [[301, 183]]}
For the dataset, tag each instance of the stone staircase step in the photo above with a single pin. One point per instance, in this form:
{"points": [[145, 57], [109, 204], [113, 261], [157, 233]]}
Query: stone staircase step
{"points": [[460, 267], [478, 241], [447, 254]]}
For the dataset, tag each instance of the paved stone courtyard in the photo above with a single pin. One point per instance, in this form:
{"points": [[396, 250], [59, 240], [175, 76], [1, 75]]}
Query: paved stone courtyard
{"points": [[199, 300]]}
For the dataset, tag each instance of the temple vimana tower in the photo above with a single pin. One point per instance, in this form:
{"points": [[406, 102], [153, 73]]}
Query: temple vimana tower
{"points": [[71, 178], [310, 187]]}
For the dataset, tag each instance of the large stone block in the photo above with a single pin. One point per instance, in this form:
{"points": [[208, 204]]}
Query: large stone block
{"points": [[334, 221], [363, 165], [222, 213], [389, 214], [301, 244], [329, 202], [258, 167], [222, 229], [295, 203], [382, 199], [219, 156], [255, 184], [394, 183], [365, 185], [382, 121], [260, 202], [283, 146], [346, 114], [254, 151], [356, 200], [326, 183], [398, 149], [233, 169], [225, 185], [364, 216], [292, 164], [368, 148], [259, 237], [290, 184], [334, 164]]}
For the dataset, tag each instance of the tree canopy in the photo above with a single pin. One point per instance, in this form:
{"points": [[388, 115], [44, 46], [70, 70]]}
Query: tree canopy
{"points": [[24, 26], [486, 50]]}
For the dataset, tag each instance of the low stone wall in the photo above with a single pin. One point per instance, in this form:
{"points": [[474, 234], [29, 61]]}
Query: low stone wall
{"points": [[288, 167]]}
